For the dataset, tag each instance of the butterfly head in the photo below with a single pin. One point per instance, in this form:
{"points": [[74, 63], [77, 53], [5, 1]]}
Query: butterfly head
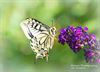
{"points": [[53, 31]]}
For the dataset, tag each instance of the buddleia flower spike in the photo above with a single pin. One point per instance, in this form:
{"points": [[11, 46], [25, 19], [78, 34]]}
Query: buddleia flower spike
{"points": [[92, 53], [78, 39], [74, 37], [40, 35]]}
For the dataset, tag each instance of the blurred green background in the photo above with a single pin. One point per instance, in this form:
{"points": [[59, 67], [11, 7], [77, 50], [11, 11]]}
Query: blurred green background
{"points": [[15, 52]]}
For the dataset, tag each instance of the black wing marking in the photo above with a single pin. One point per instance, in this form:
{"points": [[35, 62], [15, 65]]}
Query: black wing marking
{"points": [[26, 30], [38, 25], [32, 27], [40, 42], [29, 32]]}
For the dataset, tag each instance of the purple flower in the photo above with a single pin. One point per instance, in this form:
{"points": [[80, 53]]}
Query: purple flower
{"points": [[85, 29], [98, 61], [62, 39], [76, 38], [63, 31], [89, 53], [92, 55], [93, 36]]}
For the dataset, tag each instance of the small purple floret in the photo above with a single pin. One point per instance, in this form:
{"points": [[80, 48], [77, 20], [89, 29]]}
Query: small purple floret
{"points": [[85, 29]]}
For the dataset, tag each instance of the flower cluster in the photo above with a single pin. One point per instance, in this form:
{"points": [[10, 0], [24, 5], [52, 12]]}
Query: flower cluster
{"points": [[92, 54], [78, 38]]}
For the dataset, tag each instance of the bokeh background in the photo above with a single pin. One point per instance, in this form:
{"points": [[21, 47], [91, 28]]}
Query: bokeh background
{"points": [[15, 52]]}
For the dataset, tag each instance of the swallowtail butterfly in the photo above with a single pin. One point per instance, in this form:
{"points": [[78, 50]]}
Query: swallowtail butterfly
{"points": [[40, 35]]}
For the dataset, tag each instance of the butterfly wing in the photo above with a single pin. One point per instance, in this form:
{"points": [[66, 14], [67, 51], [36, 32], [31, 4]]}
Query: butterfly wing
{"points": [[38, 46], [38, 34], [26, 30], [49, 42], [32, 27]]}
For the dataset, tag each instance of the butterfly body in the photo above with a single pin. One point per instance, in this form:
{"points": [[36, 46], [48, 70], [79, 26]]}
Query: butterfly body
{"points": [[40, 35]]}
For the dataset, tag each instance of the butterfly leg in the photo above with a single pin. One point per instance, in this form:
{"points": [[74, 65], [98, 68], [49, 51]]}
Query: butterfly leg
{"points": [[46, 58], [46, 55]]}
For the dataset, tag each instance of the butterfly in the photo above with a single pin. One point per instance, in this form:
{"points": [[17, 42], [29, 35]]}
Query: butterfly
{"points": [[40, 35]]}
